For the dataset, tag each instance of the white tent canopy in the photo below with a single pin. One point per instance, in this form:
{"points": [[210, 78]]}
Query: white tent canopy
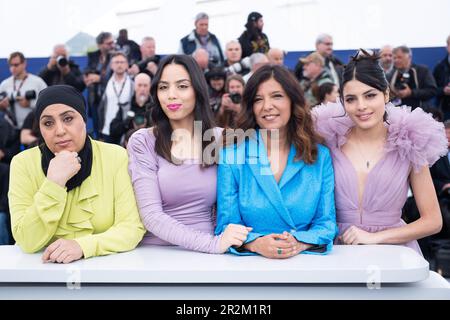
{"points": [[290, 24]]}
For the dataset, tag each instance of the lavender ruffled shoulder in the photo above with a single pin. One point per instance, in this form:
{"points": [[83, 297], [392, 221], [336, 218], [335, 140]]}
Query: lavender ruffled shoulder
{"points": [[332, 123], [415, 135]]}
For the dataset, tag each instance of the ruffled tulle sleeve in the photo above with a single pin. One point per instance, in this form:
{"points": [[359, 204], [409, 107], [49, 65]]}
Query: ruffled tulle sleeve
{"points": [[332, 123], [416, 136]]}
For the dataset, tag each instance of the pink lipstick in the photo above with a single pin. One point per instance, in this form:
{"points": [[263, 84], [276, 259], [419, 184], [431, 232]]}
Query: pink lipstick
{"points": [[174, 107]]}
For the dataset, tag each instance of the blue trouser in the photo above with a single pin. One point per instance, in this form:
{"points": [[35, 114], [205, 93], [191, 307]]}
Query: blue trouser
{"points": [[4, 229]]}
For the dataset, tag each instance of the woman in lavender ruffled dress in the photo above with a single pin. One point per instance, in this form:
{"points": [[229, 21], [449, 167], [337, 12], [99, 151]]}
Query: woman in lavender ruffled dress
{"points": [[378, 150]]}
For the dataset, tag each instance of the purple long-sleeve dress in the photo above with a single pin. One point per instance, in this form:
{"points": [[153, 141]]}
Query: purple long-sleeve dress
{"points": [[175, 201], [414, 140]]}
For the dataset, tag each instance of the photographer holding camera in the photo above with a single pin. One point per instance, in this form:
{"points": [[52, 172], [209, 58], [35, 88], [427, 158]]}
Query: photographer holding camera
{"points": [[441, 74], [97, 74], [149, 61], [61, 70], [117, 97], [412, 85], [18, 93], [139, 114], [440, 170], [9, 147], [234, 64], [231, 101], [215, 78]]}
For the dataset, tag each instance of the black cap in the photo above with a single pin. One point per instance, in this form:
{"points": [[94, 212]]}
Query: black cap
{"points": [[216, 72], [254, 16], [63, 94]]}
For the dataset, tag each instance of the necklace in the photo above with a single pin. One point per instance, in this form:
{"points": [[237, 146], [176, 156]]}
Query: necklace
{"points": [[358, 147], [362, 155], [364, 158]]}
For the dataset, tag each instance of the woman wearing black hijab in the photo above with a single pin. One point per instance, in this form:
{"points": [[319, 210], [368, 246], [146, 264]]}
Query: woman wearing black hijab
{"points": [[71, 193]]}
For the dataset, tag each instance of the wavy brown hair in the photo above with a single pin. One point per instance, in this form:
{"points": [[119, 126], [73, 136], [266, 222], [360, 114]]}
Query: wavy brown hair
{"points": [[300, 126]]}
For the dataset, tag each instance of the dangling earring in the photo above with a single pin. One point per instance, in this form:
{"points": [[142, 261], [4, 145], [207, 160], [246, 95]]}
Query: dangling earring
{"points": [[343, 109], [386, 101], [386, 117]]}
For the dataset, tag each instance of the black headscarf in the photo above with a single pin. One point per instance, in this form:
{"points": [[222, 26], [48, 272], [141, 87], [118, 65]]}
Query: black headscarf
{"points": [[67, 95]]}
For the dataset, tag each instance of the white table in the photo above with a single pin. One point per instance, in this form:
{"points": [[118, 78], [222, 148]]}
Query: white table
{"points": [[348, 272]]}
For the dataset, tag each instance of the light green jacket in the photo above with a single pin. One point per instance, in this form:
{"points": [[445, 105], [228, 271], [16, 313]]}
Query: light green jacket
{"points": [[101, 214]]}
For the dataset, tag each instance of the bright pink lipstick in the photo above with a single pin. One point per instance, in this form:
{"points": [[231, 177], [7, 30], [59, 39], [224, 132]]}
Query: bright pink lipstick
{"points": [[174, 107]]}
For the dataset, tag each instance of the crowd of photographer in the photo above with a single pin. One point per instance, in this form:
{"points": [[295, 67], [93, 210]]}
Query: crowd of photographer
{"points": [[117, 81]]}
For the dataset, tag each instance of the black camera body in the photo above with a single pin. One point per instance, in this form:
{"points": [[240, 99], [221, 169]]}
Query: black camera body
{"points": [[137, 119], [214, 61], [235, 97], [4, 95], [142, 65], [402, 80], [62, 61], [30, 94]]}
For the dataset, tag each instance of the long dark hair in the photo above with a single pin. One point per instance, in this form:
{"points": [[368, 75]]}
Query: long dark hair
{"points": [[202, 111], [321, 91], [300, 127], [365, 67], [251, 27]]}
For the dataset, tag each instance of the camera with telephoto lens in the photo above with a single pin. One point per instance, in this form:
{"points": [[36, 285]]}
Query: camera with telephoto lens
{"points": [[238, 66], [235, 97], [3, 95], [62, 61], [29, 95], [402, 81]]}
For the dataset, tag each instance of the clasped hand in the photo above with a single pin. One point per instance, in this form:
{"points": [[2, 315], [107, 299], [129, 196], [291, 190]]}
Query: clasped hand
{"points": [[62, 251], [277, 246]]}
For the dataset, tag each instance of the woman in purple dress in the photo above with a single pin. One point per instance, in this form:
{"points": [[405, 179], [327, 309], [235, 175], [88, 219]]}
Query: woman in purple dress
{"points": [[378, 150], [173, 178]]}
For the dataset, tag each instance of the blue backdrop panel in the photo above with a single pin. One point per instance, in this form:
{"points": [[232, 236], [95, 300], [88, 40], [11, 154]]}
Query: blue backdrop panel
{"points": [[428, 56]]}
